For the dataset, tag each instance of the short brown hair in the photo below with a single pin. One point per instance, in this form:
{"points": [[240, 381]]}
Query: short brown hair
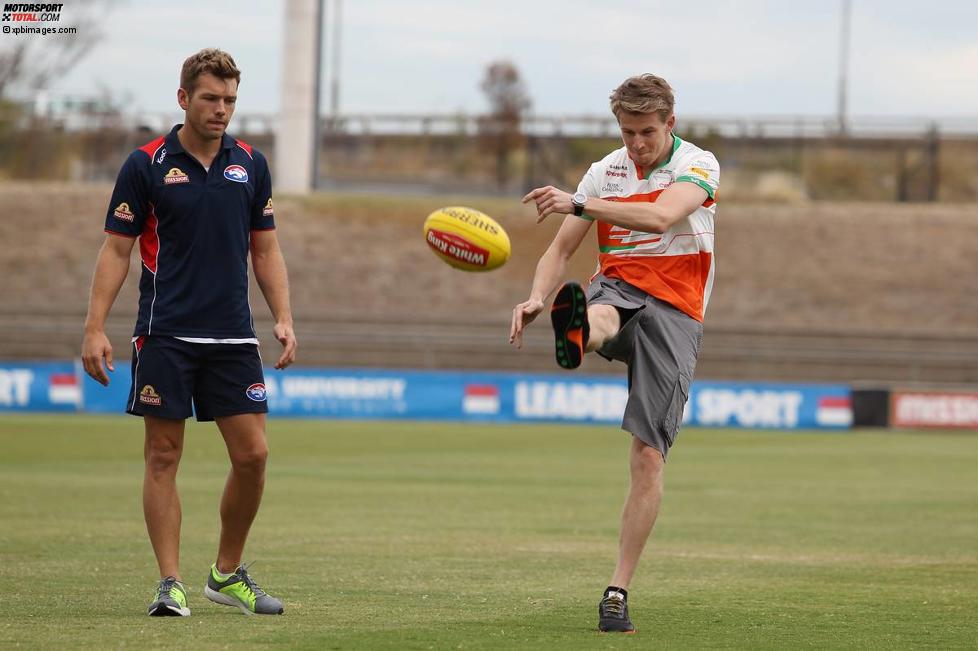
{"points": [[643, 94], [209, 60]]}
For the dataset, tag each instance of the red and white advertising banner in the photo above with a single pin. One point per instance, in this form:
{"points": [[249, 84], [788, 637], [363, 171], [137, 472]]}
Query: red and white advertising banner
{"points": [[934, 409]]}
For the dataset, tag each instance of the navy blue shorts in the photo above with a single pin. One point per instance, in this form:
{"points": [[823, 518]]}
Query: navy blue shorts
{"points": [[177, 379]]}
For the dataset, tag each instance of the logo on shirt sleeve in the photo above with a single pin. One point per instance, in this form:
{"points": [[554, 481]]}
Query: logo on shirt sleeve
{"points": [[175, 175], [148, 396], [268, 211], [122, 212], [700, 172], [236, 173]]}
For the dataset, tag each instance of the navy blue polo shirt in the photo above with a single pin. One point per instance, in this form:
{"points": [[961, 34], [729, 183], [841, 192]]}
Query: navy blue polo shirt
{"points": [[194, 228]]}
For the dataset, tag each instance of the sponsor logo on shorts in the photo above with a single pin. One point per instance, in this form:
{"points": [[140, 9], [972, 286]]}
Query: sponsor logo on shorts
{"points": [[268, 211], [175, 175], [148, 396], [123, 212], [256, 392], [236, 173]]}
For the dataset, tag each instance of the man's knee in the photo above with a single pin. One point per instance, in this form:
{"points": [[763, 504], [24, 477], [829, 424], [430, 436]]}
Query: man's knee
{"points": [[162, 455], [647, 461], [604, 323], [250, 459]]}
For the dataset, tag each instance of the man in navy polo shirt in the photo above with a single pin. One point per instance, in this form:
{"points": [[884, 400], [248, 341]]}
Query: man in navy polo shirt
{"points": [[198, 201]]}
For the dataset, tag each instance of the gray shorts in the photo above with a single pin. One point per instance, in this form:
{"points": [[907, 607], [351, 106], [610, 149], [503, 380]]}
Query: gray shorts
{"points": [[659, 344]]}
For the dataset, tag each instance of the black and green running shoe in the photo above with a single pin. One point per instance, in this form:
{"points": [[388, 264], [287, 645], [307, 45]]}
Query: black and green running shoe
{"points": [[613, 614], [240, 590], [568, 315], [170, 601]]}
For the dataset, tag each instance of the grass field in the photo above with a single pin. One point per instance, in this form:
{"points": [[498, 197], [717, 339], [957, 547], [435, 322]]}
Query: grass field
{"points": [[395, 535]]}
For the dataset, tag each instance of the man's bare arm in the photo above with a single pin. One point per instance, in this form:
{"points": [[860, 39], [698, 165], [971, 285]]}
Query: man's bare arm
{"points": [[111, 269], [273, 279]]}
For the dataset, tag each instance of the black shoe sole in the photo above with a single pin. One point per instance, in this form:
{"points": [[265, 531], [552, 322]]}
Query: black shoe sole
{"points": [[164, 611], [630, 631], [568, 315]]}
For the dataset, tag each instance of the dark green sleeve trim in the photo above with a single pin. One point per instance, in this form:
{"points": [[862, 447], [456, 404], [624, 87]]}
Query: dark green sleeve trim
{"points": [[700, 182]]}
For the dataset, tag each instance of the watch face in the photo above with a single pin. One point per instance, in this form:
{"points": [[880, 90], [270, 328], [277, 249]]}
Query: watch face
{"points": [[580, 198]]}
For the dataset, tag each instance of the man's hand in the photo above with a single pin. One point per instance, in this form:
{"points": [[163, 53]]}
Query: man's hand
{"points": [[285, 335], [550, 200], [523, 315], [95, 348]]}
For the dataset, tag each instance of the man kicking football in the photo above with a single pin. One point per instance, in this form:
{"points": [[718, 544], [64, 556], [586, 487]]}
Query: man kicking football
{"points": [[654, 201]]}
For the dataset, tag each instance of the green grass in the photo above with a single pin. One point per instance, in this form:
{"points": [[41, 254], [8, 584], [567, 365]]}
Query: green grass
{"points": [[395, 535]]}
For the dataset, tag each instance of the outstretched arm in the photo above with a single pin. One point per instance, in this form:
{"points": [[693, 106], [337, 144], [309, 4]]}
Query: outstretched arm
{"points": [[273, 279], [550, 271], [111, 269]]}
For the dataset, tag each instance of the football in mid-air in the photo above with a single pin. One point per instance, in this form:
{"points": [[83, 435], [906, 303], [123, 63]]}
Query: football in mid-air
{"points": [[467, 239]]}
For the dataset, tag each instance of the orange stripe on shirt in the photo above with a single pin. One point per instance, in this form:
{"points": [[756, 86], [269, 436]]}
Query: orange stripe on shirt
{"points": [[635, 198], [679, 280]]}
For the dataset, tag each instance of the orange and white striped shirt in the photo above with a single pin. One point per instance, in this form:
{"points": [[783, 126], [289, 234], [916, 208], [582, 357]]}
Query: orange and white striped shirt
{"points": [[676, 266]]}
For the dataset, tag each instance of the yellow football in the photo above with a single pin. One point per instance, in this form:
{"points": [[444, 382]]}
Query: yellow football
{"points": [[467, 239]]}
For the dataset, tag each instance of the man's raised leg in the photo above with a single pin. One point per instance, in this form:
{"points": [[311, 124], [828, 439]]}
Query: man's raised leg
{"points": [[605, 323], [579, 328]]}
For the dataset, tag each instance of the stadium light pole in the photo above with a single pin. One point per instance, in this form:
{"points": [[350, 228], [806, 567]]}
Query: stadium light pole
{"points": [[334, 66], [317, 119], [297, 139], [844, 63]]}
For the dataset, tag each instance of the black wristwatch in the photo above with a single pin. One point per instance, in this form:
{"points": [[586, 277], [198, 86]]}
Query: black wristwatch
{"points": [[579, 200]]}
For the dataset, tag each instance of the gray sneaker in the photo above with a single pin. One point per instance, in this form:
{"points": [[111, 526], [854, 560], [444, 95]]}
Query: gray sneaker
{"points": [[241, 591], [170, 601]]}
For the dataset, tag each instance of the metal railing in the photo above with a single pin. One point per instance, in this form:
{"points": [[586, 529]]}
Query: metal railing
{"points": [[729, 351], [572, 125]]}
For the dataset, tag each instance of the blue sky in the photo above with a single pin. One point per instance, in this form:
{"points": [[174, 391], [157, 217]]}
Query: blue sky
{"points": [[724, 58]]}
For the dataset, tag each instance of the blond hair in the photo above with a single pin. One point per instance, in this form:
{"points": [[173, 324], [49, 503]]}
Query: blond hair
{"points": [[209, 60], [643, 94]]}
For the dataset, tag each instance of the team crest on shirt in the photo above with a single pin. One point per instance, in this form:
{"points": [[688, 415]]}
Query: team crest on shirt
{"points": [[148, 396], [175, 175], [268, 211], [122, 212], [236, 173], [256, 392]]}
